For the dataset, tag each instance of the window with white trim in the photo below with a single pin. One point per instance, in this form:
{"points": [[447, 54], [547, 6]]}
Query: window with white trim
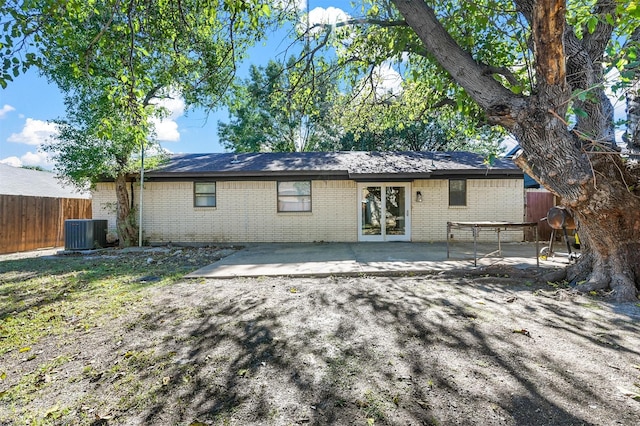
{"points": [[294, 196]]}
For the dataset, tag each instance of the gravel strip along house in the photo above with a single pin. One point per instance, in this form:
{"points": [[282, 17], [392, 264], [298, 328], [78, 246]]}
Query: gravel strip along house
{"points": [[320, 196]]}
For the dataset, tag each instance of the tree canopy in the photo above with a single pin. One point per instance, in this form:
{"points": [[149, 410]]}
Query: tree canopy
{"points": [[538, 69], [114, 60], [281, 108], [287, 107]]}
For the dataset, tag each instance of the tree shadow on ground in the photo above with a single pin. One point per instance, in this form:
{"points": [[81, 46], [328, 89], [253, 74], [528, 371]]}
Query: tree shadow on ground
{"points": [[383, 350], [36, 283]]}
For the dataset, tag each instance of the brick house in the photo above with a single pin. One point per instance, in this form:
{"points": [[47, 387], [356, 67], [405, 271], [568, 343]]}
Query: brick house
{"points": [[319, 196]]}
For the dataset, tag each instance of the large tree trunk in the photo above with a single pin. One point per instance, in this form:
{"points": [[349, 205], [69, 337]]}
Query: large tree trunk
{"points": [[632, 136], [576, 163], [600, 196], [125, 219]]}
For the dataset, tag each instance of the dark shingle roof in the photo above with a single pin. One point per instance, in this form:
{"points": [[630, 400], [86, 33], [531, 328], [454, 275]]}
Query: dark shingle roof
{"points": [[344, 164], [34, 183]]}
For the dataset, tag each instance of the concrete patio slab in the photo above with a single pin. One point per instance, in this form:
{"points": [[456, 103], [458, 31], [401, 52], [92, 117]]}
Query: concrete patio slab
{"points": [[325, 259]]}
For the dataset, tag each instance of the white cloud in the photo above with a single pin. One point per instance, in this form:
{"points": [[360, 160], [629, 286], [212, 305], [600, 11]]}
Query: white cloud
{"points": [[6, 109], [289, 5], [36, 159], [388, 81], [166, 128], [328, 16], [174, 105], [34, 132], [29, 159], [12, 161]]}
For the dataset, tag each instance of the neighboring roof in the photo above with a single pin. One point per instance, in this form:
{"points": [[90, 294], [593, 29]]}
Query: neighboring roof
{"points": [[341, 165], [529, 182], [19, 181]]}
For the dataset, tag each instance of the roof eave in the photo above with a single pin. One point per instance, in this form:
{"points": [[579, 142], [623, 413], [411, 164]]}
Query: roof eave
{"points": [[321, 174], [479, 173], [388, 177]]}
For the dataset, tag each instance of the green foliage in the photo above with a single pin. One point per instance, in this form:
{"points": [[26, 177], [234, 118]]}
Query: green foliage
{"points": [[38, 168], [92, 143], [114, 60], [493, 32], [430, 111], [280, 108], [413, 120], [272, 110], [301, 107]]}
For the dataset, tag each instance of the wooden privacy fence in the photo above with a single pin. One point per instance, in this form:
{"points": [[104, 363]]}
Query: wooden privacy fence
{"points": [[29, 223], [538, 204]]}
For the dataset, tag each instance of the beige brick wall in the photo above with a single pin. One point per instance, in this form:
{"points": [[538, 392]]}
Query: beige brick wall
{"points": [[103, 204], [487, 200], [247, 211]]}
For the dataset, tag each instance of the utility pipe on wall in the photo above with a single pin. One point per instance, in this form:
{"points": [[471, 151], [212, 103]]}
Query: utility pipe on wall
{"points": [[141, 194]]}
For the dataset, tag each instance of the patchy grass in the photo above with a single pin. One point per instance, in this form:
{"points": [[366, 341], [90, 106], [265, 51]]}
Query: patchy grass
{"points": [[58, 299], [372, 405], [51, 297], [24, 390]]}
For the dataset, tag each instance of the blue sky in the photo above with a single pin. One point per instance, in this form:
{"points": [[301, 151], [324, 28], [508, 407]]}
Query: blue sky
{"points": [[30, 102]]}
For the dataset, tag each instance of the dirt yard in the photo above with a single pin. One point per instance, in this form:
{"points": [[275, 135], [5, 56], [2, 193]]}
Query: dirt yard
{"points": [[412, 350]]}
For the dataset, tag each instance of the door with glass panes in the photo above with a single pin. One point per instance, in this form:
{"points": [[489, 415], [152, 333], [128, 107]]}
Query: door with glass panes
{"points": [[384, 212]]}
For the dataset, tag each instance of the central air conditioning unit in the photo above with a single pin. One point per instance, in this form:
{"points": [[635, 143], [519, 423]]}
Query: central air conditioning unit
{"points": [[85, 234]]}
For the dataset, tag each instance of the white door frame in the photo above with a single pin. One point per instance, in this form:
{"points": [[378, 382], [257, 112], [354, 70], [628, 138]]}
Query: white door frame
{"points": [[407, 214]]}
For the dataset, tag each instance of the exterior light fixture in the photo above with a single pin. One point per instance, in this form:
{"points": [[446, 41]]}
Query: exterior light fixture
{"points": [[418, 196]]}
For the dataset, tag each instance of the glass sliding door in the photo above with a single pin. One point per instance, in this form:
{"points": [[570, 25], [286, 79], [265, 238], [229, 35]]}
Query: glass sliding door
{"points": [[384, 212], [371, 223], [396, 210]]}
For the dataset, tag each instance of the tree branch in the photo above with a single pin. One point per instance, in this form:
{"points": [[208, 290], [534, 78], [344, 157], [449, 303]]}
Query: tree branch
{"points": [[548, 24], [98, 36], [596, 42], [503, 71], [361, 21], [151, 94], [468, 73]]}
